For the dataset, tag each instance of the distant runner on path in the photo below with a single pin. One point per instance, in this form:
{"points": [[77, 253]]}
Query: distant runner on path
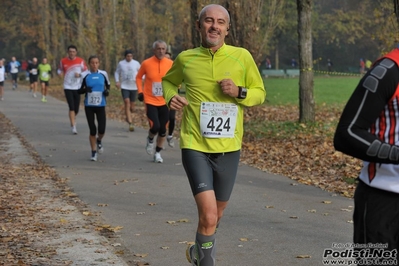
{"points": [[44, 77], [33, 76]]}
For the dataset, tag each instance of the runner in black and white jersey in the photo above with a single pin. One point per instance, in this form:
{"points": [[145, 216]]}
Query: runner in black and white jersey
{"points": [[369, 130], [125, 78]]}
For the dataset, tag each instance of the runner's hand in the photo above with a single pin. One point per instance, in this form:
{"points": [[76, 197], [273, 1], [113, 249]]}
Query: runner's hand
{"points": [[177, 102], [140, 97], [106, 93], [228, 87]]}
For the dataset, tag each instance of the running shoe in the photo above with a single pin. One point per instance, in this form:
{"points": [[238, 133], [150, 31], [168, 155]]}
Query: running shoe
{"points": [[34, 95], [44, 99], [2, 99], [100, 148], [131, 127], [190, 255], [150, 147], [158, 158], [74, 131], [170, 141], [94, 157]]}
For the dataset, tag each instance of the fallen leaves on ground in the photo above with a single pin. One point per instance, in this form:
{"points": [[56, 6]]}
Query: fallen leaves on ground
{"points": [[36, 208], [307, 155], [25, 218]]}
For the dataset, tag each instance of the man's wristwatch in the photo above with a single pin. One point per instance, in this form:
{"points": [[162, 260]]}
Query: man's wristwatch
{"points": [[242, 92]]}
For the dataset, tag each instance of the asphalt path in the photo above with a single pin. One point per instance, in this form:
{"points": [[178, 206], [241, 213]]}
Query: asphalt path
{"points": [[270, 219]]}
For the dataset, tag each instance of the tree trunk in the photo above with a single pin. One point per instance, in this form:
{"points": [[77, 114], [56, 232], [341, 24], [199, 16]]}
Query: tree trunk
{"points": [[134, 14], [277, 58], [306, 101], [253, 23], [396, 9], [116, 49], [46, 30], [195, 38]]}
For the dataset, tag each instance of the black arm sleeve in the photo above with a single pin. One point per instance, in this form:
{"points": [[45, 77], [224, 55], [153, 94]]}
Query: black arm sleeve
{"points": [[82, 89], [352, 135]]}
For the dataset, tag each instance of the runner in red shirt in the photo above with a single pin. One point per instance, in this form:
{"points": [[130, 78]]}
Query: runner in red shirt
{"points": [[72, 67]]}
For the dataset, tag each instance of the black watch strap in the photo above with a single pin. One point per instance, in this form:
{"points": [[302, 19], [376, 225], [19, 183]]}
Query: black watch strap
{"points": [[242, 92]]}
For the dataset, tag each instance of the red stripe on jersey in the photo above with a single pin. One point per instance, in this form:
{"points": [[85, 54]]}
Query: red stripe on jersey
{"points": [[385, 127], [382, 125], [373, 129], [392, 124], [372, 171]]}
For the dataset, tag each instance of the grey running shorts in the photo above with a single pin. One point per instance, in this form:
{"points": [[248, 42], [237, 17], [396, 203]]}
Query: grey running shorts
{"points": [[129, 94], [211, 171]]}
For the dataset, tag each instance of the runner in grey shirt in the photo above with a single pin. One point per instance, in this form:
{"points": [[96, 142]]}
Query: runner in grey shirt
{"points": [[125, 78]]}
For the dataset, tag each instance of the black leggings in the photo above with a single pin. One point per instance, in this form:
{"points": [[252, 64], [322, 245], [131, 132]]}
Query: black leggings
{"points": [[99, 112], [73, 99], [172, 119], [158, 117], [376, 217], [14, 77]]}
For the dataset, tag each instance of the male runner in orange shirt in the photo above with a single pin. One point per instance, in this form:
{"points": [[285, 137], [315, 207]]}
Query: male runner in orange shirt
{"points": [[154, 68]]}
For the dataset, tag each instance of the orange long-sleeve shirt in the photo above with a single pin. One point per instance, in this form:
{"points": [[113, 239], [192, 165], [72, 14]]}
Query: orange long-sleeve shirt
{"points": [[153, 69]]}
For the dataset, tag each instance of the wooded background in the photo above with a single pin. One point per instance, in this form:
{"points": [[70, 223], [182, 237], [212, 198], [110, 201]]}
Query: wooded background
{"points": [[342, 30]]}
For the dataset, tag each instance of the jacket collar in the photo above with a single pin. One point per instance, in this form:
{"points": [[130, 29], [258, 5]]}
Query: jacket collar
{"points": [[209, 50]]}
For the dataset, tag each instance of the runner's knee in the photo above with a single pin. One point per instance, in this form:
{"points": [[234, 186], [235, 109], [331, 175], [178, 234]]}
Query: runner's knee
{"points": [[93, 130], [208, 219], [101, 128], [162, 132], [154, 130]]}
